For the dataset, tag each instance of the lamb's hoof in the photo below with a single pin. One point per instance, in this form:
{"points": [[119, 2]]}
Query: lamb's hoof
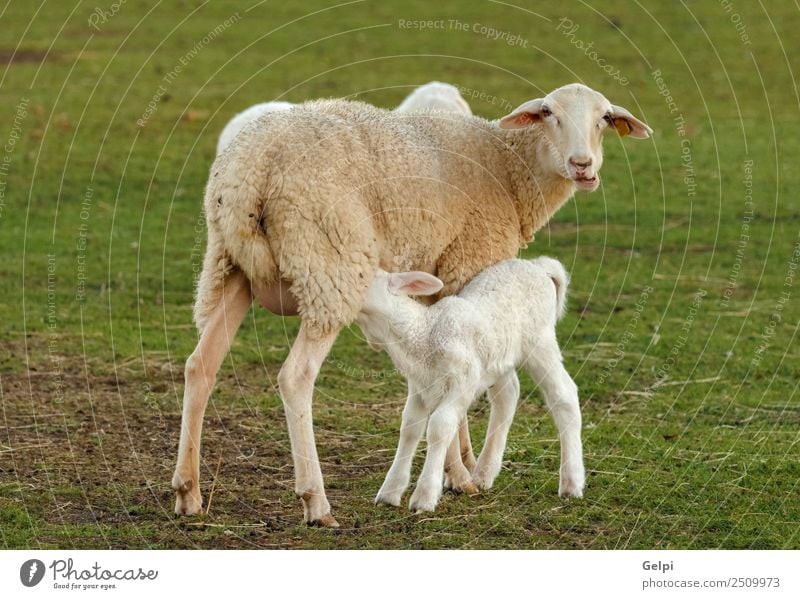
{"points": [[483, 480], [467, 487], [390, 499], [423, 502], [421, 508], [326, 521], [570, 489], [188, 500]]}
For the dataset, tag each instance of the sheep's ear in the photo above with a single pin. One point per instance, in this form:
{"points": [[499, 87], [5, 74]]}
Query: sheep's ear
{"points": [[414, 283], [627, 124], [524, 116]]}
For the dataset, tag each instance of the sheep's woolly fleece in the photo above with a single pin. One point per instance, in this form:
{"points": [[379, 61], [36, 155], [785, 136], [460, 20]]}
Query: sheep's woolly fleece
{"points": [[323, 194]]}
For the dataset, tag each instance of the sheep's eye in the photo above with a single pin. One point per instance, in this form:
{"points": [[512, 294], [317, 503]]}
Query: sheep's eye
{"points": [[609, 119], [546, 111]]}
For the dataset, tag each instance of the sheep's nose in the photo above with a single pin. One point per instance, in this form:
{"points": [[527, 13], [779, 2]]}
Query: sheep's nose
{"points": [[581, 162]]}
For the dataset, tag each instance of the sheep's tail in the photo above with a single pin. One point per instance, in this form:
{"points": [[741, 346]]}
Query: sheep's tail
{"points": [[558, 274], [237, 235]]}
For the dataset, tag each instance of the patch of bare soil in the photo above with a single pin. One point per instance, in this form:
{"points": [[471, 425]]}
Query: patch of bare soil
{"points": [[22, 56], [99, 460]]}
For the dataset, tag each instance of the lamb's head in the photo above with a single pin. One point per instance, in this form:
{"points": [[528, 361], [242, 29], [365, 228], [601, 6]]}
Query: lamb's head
{"points": [[571, 121], [387, 299]]}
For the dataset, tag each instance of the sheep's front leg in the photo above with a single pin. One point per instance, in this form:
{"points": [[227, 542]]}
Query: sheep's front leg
{"points": [[561, 396], [200, 375], [442, 428], [296, 382], [415, 415], [503, 397]]}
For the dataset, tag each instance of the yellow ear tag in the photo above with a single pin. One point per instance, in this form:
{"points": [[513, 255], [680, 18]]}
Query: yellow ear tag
{"points": [[622, 127]]}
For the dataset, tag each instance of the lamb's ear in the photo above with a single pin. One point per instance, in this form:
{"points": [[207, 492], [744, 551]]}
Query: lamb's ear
{"points": [[414, 283], [627, 124], [524, 116]]}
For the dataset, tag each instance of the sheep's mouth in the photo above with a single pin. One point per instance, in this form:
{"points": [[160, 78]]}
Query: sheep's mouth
{"points": [[588, 183]]}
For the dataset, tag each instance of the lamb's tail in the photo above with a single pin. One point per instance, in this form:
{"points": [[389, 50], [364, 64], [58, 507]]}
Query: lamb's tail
{"points": [[558, 274]]}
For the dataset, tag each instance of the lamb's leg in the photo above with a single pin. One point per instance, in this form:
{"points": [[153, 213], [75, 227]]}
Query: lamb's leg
{"points": [[561, 395], [442, 428], [413, 426], [456, 476], [460, 460], [503, 397], [480, 243], [296, 382], [465, 445], [201, 373]]}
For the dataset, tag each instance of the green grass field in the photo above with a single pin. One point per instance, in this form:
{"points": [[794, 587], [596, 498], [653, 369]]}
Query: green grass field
{"points": [[684, 297]]}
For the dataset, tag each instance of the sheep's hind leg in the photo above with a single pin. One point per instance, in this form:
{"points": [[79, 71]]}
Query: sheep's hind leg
{"points": [[460, 453], [457, 477], [200, 375], [561, 396], [503, 397], [465, 445], [296, 382]]}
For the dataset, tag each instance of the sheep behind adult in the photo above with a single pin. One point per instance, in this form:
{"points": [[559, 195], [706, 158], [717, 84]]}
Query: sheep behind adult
{"points": [[433, 95]]}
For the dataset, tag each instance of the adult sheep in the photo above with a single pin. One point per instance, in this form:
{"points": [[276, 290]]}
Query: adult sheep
{"points": [[304, 207], [434, 95]]}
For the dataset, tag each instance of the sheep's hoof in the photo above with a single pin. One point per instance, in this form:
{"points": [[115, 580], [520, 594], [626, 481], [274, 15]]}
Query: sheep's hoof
{"points": [[467, 487], [317, 510], [420, 507], [388, 499], [571, 488], [326, 521], [482, 484], [423, 501], [570, 493], [459, 480], [188, 500], [483, 478]]}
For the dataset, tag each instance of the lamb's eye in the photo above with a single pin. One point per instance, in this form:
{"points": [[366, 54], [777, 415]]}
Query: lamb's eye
{"points": [[609, 119], [546, 112]]}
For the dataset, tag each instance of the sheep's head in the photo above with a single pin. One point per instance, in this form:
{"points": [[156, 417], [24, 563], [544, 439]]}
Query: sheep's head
{"points": [[572, 120]]}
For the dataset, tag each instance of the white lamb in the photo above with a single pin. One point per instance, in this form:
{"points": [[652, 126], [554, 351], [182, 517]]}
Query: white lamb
{"points": [[454, 350]]}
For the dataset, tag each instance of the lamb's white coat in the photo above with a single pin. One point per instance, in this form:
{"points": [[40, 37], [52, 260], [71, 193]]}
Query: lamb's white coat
{"points": [[454, 350]]}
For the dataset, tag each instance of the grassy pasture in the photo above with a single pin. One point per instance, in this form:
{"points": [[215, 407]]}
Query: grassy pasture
{"points": [[684, 298]]}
